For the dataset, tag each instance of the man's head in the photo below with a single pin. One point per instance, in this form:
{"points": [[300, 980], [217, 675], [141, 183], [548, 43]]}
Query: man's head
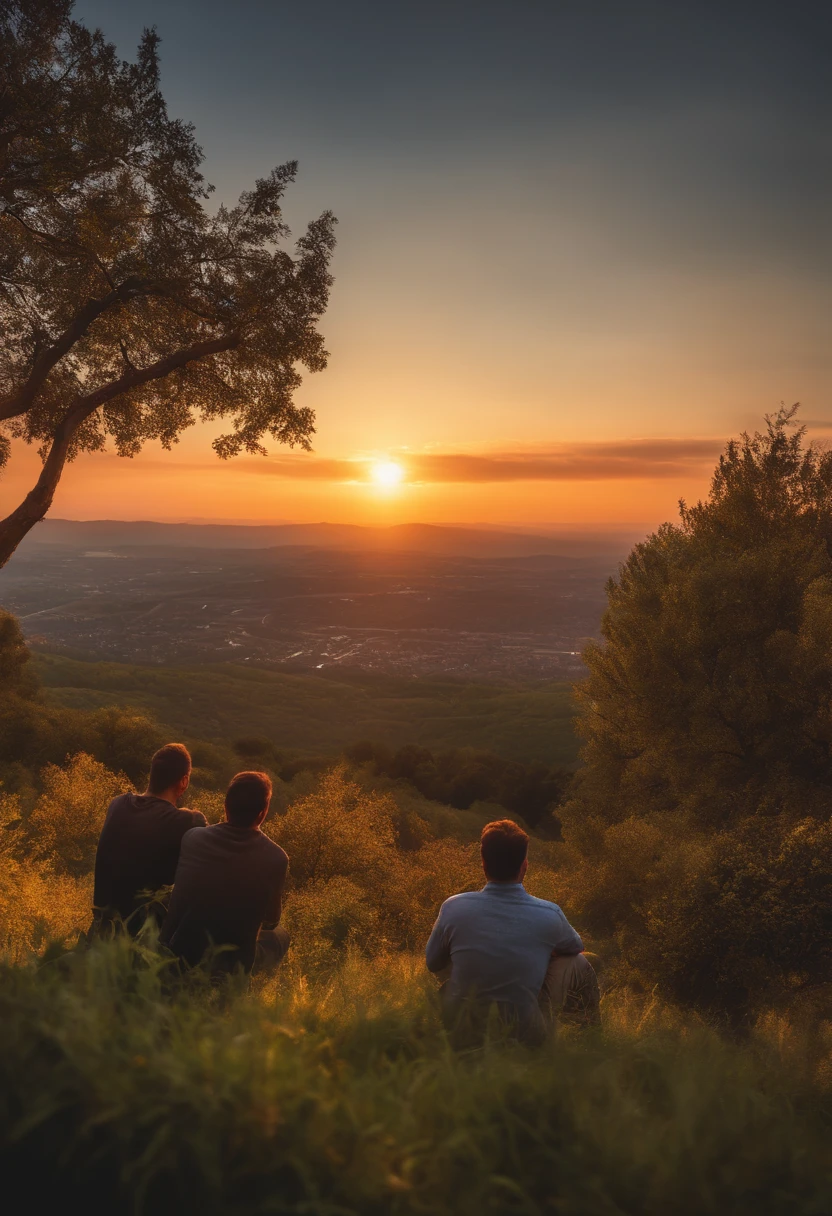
{"points": [[247, 800], [504, 849], [170, 771]]}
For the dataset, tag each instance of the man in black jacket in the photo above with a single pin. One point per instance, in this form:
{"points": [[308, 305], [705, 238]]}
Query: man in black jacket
{"points": [[138, 850]]}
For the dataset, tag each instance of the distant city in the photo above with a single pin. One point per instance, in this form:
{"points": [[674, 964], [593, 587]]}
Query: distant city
{"points": [[307, 608]]}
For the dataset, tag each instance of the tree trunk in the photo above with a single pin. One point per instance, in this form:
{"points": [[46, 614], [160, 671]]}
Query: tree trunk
{"points": [[38, 501]]}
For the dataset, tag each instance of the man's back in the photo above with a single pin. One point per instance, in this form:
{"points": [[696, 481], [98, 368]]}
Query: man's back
{"points": [[498, 943], [138, 850], [228, 883]]}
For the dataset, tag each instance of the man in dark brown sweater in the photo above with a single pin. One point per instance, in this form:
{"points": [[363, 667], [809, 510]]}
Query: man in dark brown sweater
{"points": [[229, 885], [138, 849]]}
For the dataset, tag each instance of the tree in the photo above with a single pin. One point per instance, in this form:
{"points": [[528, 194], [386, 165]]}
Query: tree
{"points": [[15, 676], [698, 843], [712, 692], [129, 309]]}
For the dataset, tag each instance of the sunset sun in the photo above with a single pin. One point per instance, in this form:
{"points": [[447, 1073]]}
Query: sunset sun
{"points": [[387, 473]]}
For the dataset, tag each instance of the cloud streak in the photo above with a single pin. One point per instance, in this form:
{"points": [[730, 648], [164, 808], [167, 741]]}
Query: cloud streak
{"points": [[626, 460], [622, 460]]}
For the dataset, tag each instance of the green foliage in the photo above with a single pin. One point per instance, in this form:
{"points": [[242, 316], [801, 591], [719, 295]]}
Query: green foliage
{"points": [[128, 307], [754, 916], [344, 1097], [711, 692], [15, 674], [228, 702], [352, 882], [462, 776], [338, 831], [698, 834], [33, 735], [66, 821]]}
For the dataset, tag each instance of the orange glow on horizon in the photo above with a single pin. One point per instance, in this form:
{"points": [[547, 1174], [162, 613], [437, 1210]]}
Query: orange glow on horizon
{"points": [[190, 483]]}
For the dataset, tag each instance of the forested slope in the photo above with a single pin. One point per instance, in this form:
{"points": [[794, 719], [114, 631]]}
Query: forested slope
{"points": [[323, 715]]}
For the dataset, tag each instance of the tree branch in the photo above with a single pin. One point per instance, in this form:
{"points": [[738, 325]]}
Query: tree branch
{"points": [[20, 401], [39, 499], [138, 376]]}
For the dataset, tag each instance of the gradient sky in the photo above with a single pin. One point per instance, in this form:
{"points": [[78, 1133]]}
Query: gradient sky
{"points": [[580, 244]]}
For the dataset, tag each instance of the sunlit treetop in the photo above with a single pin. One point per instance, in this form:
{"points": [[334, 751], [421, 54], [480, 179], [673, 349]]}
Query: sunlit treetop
{"points": [[130, 308]]}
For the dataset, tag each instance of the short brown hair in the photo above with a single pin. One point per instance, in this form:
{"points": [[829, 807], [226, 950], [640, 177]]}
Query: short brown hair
{"points": [[246, 798], [169, 765], [504, 847]]}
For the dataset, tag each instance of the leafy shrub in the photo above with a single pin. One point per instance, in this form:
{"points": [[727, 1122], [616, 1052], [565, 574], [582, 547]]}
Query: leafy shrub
{"points": [[37, 905], [350, 883], [339, 830], [64, 826], [210, 802], [327, 917], [754, 916]]}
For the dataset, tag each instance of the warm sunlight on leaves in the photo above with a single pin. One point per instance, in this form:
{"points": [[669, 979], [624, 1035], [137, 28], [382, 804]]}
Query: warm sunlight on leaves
{"points": [[387, 473]]}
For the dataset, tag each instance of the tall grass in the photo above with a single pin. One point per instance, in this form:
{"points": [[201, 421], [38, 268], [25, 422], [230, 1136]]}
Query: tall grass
{"points": [[126, 1091]]}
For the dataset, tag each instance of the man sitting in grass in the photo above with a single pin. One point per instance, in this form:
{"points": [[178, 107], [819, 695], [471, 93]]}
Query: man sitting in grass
{"points": [[501, 946], [138, 849], [228, 889]]}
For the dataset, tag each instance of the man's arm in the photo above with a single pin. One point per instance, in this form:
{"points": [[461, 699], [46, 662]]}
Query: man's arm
{"points": [[102, 880], [565, 939], [274, 906], [438, 951]]}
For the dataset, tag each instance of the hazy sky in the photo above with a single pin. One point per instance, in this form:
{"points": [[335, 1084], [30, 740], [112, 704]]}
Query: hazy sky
{"points": [[579, 245]]}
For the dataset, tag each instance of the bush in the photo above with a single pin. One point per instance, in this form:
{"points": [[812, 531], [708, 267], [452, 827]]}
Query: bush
{"points": [[339, 830], [64, 826], [753, 917], [37, 906], [328, 917], [351, 883]]}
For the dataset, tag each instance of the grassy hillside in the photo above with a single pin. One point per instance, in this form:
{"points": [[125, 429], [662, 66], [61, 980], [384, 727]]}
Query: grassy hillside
{"points": [[344, 1098], [326, 714]]}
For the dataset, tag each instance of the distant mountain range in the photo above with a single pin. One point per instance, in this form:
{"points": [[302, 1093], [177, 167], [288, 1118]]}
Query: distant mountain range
{"points": [[401, 538]]}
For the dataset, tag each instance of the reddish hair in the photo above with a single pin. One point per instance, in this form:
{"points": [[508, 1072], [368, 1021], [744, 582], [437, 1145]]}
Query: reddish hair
{"points": [[504, 847]]}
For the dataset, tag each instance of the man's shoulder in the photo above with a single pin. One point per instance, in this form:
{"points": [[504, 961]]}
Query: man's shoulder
{"points": [[458, 903], [180, 819], [216, 836], [148, 806], [198, 832], [271, 849], [545, 907], [121, 802]]}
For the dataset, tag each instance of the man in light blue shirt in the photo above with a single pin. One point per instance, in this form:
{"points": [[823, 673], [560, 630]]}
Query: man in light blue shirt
{"points": [[503, 946]]}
